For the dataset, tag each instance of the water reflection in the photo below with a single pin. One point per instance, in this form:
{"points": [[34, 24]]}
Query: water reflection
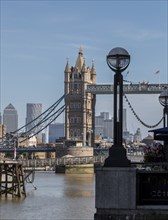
{"points": [[79, 185]]}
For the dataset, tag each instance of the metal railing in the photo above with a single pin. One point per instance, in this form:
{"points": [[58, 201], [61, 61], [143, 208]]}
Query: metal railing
{"points": [[51, 162], [97, 160]]}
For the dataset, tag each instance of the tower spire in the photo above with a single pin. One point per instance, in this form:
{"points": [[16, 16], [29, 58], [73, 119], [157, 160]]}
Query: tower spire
{"points": [[80, 60], [67, 68], [84, 69]]}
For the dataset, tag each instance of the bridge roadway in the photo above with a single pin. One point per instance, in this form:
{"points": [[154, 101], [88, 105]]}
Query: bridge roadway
{"points": [[28, 149]]}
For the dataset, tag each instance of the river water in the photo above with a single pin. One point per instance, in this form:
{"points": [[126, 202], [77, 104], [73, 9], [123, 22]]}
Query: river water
{"points": [[57, 197]]}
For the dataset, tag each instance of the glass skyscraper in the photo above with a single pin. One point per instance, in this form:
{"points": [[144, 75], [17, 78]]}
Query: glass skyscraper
{"points": [[10, 118], [33, 110], [56, 131]]}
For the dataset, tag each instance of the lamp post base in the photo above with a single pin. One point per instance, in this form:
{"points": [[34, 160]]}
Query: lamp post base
{"points": [[117, 157]]}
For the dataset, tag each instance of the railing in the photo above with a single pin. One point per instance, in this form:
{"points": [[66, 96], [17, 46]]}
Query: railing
{"points": [[80, 160], [97, 160], [39, 162], [51, 162], [134, 156]]}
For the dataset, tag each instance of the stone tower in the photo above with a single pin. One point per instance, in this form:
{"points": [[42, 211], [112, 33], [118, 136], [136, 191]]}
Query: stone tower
{"points": [[79, 105]]}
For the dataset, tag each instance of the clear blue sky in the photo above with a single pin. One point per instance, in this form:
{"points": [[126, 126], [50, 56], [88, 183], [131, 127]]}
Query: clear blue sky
{"points": [[38, 36]]}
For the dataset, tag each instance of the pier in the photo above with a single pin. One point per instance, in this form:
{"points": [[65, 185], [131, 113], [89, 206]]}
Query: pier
{"points": [[11, 179]]}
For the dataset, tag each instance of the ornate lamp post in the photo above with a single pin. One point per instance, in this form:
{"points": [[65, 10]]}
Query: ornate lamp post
{"points": [[118, 60], [163, 99]]}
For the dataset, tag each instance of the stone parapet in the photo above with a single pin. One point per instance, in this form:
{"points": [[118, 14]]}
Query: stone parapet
{"points": [[116, 197], [115, 187]]}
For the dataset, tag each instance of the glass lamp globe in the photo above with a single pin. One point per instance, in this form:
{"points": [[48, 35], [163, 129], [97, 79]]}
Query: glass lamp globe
{"points": [[118, 59], [163, 98]]}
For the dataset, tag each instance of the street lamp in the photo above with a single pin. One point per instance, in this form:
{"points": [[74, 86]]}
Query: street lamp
{"points": [[118, 60], [163, 99]]}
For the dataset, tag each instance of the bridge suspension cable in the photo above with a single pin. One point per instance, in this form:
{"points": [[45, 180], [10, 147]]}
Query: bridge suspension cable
{"points": [[137, 117], [36, 125], [48, 111], [51, 118]]}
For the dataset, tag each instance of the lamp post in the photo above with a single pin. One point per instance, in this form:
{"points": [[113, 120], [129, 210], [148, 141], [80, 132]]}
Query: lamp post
{"points": [[118, 60], [163, 99]]}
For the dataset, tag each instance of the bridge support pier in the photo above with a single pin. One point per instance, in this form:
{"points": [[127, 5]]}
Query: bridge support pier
{"points": [[75, 169], [11, 179]]}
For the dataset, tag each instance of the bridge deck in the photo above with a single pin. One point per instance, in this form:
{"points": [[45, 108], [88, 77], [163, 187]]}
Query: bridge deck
{"points": [[28, 149]]}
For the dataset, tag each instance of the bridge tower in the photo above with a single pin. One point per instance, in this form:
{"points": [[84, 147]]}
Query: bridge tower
{"points": [[79, 104]]}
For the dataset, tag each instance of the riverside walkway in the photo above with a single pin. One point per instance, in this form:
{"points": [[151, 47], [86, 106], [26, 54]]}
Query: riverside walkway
{"points": [[63, 161]]}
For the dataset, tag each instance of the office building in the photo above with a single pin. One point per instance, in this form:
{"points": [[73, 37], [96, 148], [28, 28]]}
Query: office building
{"points": [[105, 115], [33, 110], [56, 131], [108, 128], [104, 125], [99, 125], [10, 118], [138, 135]]}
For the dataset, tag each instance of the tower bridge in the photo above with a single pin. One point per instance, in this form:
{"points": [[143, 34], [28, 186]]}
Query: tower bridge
{"points": [[80, 90]]}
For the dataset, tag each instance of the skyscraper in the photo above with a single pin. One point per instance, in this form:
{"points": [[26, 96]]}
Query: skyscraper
{"points": [[10, 118], [104, 125], [56, 131], [33, 110]]}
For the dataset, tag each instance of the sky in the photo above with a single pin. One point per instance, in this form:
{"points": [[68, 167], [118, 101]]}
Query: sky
{"points": [[37, 37]]}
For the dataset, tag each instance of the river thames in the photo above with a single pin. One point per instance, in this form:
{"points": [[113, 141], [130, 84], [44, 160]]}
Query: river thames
{"points": [[58, 197]]}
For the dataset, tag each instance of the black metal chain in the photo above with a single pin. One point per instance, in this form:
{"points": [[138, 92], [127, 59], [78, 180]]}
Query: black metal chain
{"points": [[144, 124]]}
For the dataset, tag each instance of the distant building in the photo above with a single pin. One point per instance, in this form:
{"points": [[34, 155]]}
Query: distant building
{"points": [[56, 131], [108, 128], [104, 125], [31, 142], [148, 140], [33, 110], [105, 115], [44, 138], [10, 118], [138, 135], [99, 125]]}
